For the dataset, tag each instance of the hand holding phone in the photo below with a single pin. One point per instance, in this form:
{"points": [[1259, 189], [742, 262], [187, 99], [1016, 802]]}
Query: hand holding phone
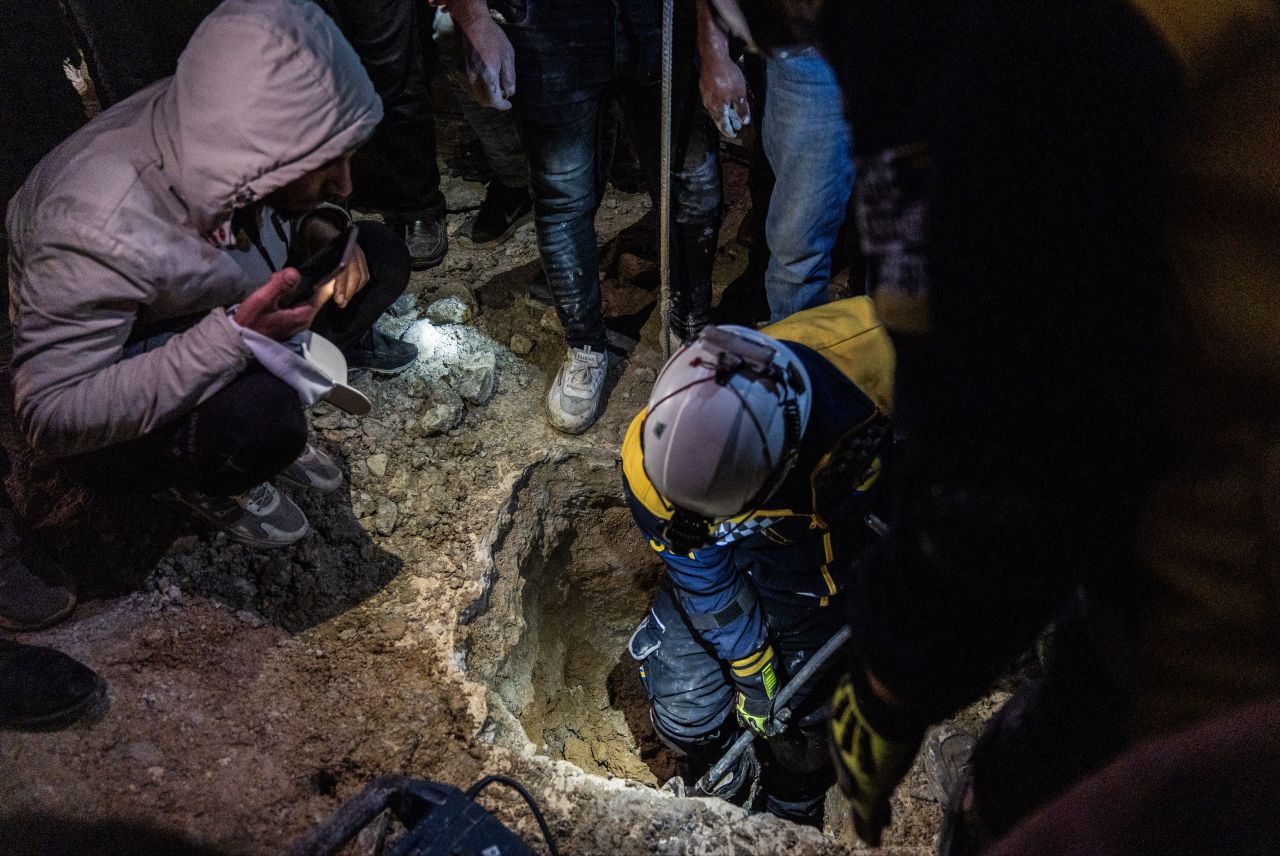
{"points": [[328, 265], [263, 313]]}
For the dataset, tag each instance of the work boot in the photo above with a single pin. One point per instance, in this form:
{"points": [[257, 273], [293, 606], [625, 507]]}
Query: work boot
{"points": [[379, 353], [313, 469], [540, 290], [27, 601], [739, 786], [946, 753], [503, 211], [261, 517], [44, 690], [426, 237], [573, 402]]}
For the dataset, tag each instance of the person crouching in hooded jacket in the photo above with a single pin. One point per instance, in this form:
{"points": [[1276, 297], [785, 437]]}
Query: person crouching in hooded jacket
{"points": [[151, 252], [752, 473]]}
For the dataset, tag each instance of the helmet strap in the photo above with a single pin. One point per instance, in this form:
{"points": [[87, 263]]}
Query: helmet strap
{"points": [[686, 531]]}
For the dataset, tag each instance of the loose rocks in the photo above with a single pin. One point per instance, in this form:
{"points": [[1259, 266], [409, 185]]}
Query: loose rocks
{"points": [[450, 310], [478, 378], [521, 344]]}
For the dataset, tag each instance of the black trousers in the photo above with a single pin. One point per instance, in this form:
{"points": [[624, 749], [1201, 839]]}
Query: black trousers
{"points": [[255, 426], [395, 172]]}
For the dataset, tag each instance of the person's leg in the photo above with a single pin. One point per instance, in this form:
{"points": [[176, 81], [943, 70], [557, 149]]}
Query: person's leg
{"points": [[561, 144], [690, 695], [799, 771], [237, 438], [216, 461], [395, 172], [561, 140], [497, 130], [808, 142], [743, 300], [506, 205], [696, 197], [351, 327]]}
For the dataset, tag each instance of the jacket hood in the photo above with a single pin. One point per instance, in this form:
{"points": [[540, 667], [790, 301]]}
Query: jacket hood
{"points": [[266, 91]]}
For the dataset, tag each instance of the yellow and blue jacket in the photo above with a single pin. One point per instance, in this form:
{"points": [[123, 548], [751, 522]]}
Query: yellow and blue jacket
{"points": [[801, 547]]}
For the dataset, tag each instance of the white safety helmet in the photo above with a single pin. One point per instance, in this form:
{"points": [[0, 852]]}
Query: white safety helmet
{"points": [[724, 422]]}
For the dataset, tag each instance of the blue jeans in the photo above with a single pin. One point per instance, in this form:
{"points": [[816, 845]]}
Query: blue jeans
{"points": [[809, 146]]}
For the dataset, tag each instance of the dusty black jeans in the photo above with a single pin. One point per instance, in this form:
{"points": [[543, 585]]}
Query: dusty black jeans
{"points": [[560, 128]]}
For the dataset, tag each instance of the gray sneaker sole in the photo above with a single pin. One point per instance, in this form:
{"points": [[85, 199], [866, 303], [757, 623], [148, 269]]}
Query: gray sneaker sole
{"points": [[283, 478]]}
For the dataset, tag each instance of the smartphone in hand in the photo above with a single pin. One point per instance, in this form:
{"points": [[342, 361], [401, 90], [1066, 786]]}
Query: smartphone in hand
{"points": [[322, 266]]}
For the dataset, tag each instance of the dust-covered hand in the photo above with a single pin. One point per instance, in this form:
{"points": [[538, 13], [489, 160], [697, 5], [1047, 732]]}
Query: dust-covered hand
{"points": [[262, 313], [724, 95], [489, 61], [869, 762]]}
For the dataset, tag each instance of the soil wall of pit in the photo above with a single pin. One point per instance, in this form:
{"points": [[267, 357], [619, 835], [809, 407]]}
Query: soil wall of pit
{"points": [[570, 577]]}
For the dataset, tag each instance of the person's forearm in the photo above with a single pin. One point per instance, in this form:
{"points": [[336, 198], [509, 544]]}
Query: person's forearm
{"points": [[713, 42], [466, 13]]}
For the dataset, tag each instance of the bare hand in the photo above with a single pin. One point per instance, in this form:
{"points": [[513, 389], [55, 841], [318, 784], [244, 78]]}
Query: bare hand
{"points": [[489, 62], [347, 284], [724, 95], [261, 311]]}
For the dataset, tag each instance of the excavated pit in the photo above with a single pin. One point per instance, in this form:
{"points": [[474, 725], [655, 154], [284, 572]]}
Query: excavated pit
{"points": [[570, 578]]}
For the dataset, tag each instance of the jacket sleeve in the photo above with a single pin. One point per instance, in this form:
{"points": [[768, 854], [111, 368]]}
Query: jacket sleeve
{"points": [[74, 391], [718, 598]]}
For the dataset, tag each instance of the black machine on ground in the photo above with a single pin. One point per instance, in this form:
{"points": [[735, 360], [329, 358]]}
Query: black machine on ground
{"points": [[440, 820]]}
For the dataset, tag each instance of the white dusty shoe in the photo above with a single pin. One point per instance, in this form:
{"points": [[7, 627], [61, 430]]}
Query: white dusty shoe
{"points": [[313, 469], [573, 402], [260, 517]]}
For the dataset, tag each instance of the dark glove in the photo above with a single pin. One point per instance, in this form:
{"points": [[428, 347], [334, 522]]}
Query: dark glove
{"points": [[757, 679], [873, 747]]}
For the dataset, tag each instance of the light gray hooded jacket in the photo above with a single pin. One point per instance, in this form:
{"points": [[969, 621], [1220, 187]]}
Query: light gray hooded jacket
{"points": [[110, 232]]}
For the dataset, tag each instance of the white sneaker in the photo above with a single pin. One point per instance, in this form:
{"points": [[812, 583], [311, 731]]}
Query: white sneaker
{"points": [[313, 469], [260, 517], [573, 402]]}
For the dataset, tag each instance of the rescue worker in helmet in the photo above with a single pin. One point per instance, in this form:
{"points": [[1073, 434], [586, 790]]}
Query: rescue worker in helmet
{"points": [[752, 473]]}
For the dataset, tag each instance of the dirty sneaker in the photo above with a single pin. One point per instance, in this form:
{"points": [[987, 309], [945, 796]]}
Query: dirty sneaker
{"points": [[503, 211], [573, 402], [260, 517], [378, 352], [313, 469], [946, 753]]}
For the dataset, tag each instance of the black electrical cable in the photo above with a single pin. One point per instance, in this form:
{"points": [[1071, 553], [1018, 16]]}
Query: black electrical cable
{"points": [[479, 786]]}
